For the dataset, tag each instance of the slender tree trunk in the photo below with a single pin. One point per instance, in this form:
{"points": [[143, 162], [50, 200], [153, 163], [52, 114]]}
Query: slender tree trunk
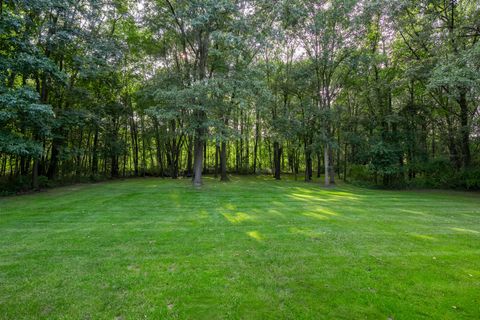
{"points": [[308, 164], [257, 139], [217, 154], [4, 166], [134, 137], [452, 145], [95, 153], [78, 163], [277, 158], [205, 160], [53, 165], [198, 159], [114, 168], [326, 162], [319, 164], [158, 148], [189, 157], [144, 152], [331, 167], [223, 161]]}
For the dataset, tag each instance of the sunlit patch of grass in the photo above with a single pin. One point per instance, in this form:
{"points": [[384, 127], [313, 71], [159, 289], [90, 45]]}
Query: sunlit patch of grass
{"points": [[230, 206], [305, 197], [423, 236], [315, 215], [306, 232], [237, 217], [255, 235], [465, 230], [326, 211]]}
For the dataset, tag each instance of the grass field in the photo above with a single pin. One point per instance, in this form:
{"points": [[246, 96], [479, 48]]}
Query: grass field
{"points": [[249, 249]]}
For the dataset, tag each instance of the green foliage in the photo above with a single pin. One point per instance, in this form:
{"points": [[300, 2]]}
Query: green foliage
{"points": [[438, 173], [13, 185], [385, 161], [470, 179], [93, 88], [22, 122], [361, 174]]}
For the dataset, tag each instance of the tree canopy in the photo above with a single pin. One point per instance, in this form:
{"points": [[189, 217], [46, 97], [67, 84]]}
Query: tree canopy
{"points": [[375, 92]]}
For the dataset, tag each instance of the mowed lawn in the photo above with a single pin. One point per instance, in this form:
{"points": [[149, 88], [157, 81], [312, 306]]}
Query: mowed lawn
{"points": [[253, 248]]}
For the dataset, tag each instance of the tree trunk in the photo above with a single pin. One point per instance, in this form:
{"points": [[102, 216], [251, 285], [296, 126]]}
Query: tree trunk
{"points": [[201, 116], [144, 154], [277, 155], [114, 168], [95, 153], [134, 137], [189, 157], [159, 148], [331, 167], [78, 163], [326, 162], [205, 157], [308, 164], [257, 138], [53, 166], [217, 153], [198, 159], [319, 164], [223, 162]]}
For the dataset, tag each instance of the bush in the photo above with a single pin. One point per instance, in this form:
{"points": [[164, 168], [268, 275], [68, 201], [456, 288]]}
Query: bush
{"points": [[470, 179], [438, 173], [43, 182], [358, 173], [10, 185]]}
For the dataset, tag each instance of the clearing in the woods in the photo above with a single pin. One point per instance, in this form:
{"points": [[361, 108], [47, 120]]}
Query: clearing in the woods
{"points": [[248, 249]]}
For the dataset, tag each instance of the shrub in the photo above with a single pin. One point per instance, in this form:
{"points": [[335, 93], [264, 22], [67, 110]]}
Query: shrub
{"points": [[9, 185], [470, 179], [360, 174], [438, 173]]}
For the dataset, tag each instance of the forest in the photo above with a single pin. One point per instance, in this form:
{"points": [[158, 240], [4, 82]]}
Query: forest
{"points": [[378, 93]]}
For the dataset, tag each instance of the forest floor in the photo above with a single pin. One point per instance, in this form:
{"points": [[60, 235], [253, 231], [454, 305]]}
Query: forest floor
{"points": [[253, 248]]}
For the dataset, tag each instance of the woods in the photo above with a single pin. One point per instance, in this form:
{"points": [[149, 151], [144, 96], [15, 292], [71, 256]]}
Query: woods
{"points": [[379, 93]]}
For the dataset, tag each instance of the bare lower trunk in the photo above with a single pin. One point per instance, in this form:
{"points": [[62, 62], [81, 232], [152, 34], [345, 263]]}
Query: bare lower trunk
{"points": [[217, 151], [319, 164], [53, 165], [197, 161], [95, 154], [277, 154], [134, 137], [223, 162], [159, 149], [331, 168], [189, 157], [326, 164], [308, 166]]}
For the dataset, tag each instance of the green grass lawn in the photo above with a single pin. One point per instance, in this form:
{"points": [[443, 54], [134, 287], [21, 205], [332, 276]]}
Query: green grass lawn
{"points": [[253, 248]]}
